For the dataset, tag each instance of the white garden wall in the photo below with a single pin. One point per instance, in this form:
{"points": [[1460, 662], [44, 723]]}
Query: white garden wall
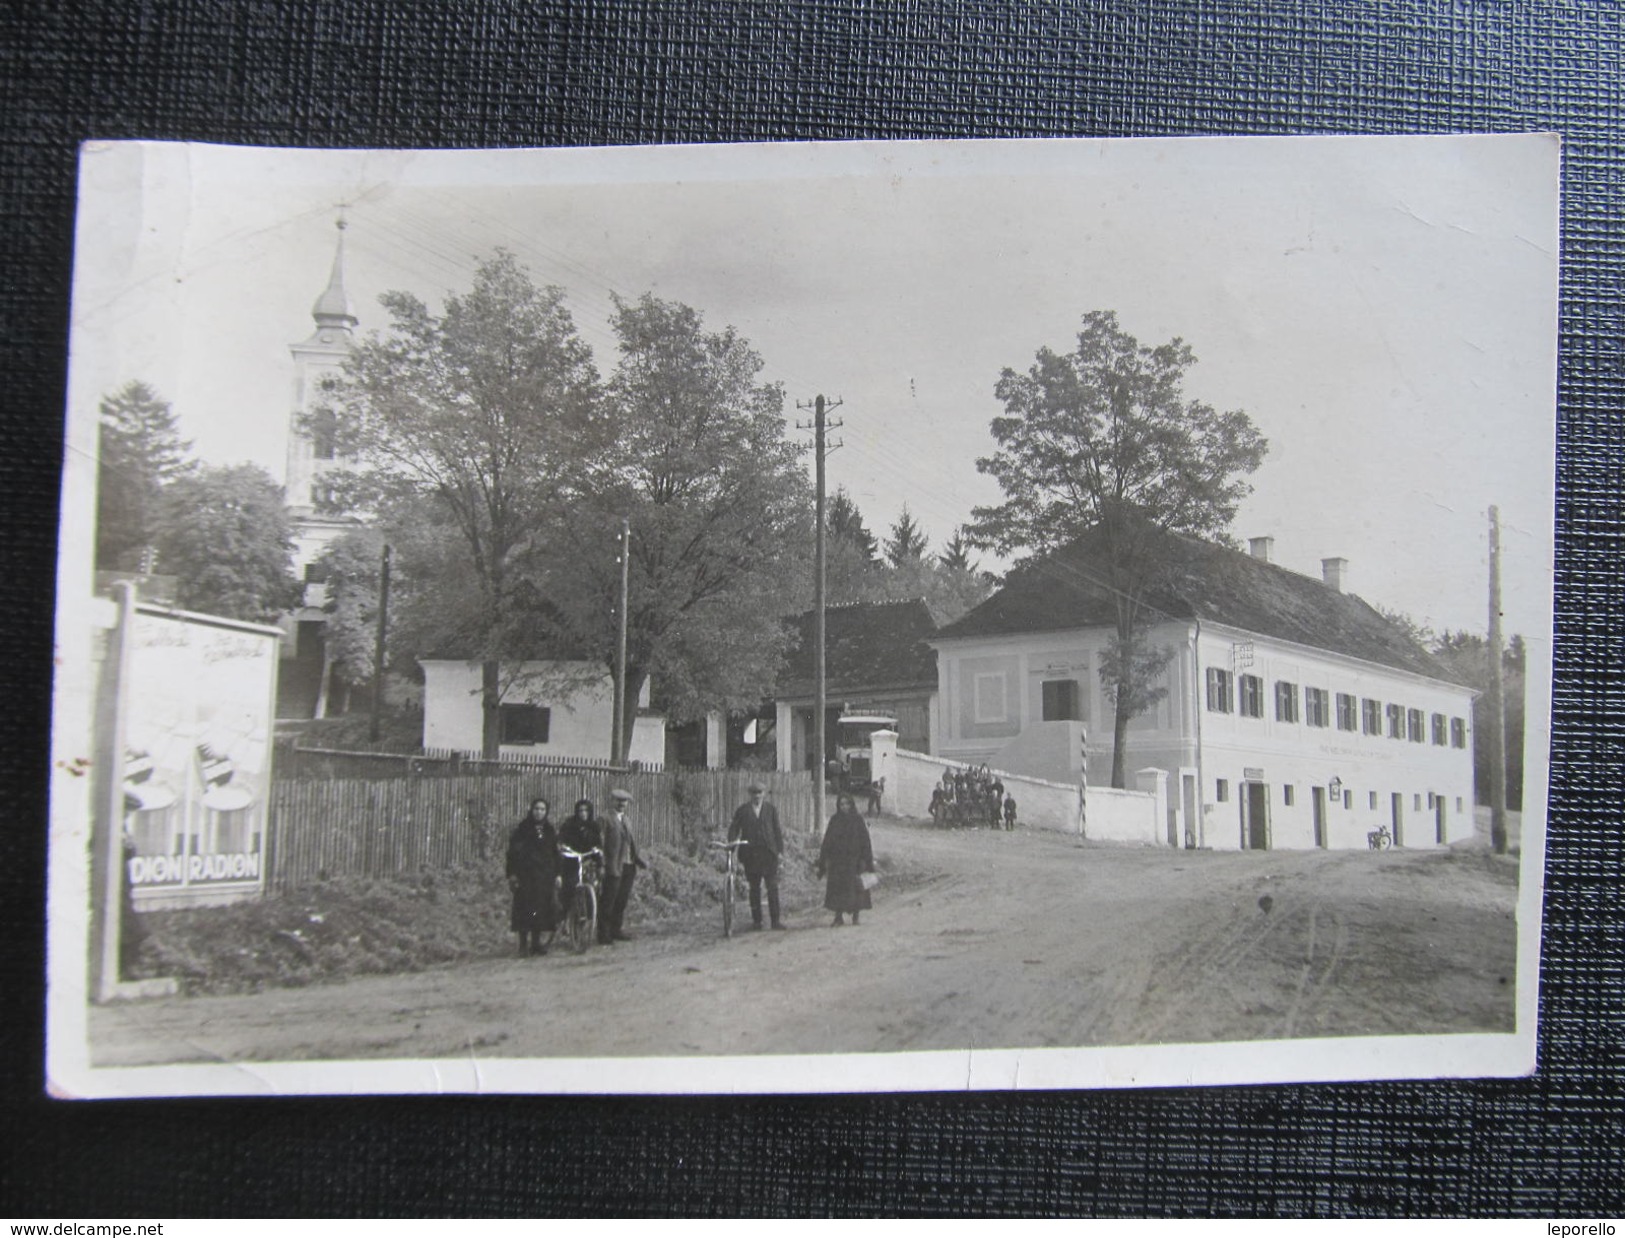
{"points": [[1123, 816]]}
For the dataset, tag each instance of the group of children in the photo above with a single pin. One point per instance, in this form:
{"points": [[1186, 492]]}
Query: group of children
{"points": [[966, 796]]}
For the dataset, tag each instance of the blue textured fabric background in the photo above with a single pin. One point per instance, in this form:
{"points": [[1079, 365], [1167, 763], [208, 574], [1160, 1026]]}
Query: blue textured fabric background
{"points": [[495, 73]]}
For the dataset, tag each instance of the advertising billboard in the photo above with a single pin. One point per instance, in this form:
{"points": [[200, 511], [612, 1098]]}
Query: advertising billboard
{"points": [[197, 763]]}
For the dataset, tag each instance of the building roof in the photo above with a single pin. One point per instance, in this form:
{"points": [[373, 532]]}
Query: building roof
{"points": [[867, 646], [1204, 581]]}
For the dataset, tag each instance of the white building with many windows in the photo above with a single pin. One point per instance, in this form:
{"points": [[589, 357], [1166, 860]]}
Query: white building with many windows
{"points": [[1293, 713]]}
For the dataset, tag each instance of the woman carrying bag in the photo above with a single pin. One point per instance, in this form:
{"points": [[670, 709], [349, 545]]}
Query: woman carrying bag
{"points": [[846, 861]]}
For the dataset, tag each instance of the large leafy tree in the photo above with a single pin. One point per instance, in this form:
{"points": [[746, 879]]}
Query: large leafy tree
{"points": [[718, 501], [141, 452], [475, 419], [224, 534], [1101, 439]]}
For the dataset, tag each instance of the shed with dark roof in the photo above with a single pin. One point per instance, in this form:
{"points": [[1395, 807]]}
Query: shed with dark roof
{"points": [[878, 656]]}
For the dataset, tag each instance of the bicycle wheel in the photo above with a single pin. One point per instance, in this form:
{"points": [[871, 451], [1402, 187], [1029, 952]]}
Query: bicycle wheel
{"points": [[583, 919], [1384, 841], [728, 904]]}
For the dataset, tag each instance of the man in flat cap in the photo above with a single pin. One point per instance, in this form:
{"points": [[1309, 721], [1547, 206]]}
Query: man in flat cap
{"points": [[757, 822], [621, 864]]}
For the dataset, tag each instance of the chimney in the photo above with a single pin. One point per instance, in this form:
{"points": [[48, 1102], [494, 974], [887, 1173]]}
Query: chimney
{"points": [[1262, 548], [1336, 573]]}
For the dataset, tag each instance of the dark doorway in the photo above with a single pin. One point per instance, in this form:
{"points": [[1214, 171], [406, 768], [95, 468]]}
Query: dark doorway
{"points": [[1318, 797], [1255, 815], [310, 640], [1439, 820], [1398, 802]]}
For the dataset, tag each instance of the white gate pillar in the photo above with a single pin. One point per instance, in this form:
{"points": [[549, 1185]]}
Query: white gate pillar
{"points": [[1155, 783]]}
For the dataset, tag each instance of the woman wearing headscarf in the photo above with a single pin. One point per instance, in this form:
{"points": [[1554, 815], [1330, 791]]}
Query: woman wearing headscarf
{"points": [[581, 833], [533, 863], [845, 854]]}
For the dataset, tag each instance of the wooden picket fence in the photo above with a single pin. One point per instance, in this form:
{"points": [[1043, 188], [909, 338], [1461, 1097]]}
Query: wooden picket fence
{"points": [[296, 761], [381, 827]]}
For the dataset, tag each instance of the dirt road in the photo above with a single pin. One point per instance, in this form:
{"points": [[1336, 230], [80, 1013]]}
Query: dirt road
{"points": [[988, 940]]}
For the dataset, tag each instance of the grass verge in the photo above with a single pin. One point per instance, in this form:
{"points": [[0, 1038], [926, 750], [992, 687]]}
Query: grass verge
{"points": [[356, 926]]}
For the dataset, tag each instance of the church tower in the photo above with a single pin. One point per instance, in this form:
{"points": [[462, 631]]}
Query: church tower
{"points": [[312, 447], [306, 684]]}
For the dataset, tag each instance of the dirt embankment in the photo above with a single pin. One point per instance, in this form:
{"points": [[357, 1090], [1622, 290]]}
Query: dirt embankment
{"points": [[977, 940]]}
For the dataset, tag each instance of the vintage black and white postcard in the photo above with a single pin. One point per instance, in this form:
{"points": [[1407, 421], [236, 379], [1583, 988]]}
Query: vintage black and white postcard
{"points": [[804, 617]]}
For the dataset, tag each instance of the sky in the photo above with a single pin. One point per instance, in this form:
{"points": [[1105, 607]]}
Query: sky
{"points": [[1384, 309]]}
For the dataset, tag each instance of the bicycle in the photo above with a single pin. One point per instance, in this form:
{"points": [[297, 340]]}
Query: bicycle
{"points": [[1379, 839], [581, 916], [730, 882]]}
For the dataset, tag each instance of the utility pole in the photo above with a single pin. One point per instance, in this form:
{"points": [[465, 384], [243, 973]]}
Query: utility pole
{"points": [[617, 743], [378, 648], [820, 425], [1497, 694]]}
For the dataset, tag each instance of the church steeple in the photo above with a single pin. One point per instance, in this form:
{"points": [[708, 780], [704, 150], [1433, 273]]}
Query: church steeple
{"points": [[312, 449], [332, 308]]}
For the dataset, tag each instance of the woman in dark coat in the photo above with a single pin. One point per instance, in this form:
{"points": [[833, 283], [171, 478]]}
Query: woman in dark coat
{"points": [[533, 864], [846, 853], [581, 833]]}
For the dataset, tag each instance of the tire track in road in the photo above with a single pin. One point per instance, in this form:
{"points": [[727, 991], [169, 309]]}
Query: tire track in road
{"points": [[1311, 988]]}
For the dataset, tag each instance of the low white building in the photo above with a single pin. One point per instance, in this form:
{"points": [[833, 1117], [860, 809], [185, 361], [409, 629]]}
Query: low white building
{"points": [[1294, 714], [551, 711]]}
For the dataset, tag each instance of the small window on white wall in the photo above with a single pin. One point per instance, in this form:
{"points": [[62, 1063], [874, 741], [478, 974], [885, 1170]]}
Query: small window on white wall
{"points": [[524, 724], [990, 699], [1060, 701]]}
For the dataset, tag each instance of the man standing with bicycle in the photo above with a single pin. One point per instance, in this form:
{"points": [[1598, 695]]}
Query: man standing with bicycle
{"points": [[756, 823]]}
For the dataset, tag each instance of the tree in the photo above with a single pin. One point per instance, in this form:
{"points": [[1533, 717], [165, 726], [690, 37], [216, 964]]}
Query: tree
{"points": [[843, 522], [140, 453], [476, 419], [956, 554], [852, 573], [1420, 634], [1466, 655], [718, 501], [1102, 440], [224, 533], [349, 567], [906, 543]]}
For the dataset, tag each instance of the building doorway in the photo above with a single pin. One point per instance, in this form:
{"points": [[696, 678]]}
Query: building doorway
{"points": [[1255, 816], [1317, 796], [1397, 800], [1440, 832]]}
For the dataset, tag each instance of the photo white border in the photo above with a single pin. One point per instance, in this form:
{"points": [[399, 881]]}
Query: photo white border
{"points": [[70, 1073]]}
